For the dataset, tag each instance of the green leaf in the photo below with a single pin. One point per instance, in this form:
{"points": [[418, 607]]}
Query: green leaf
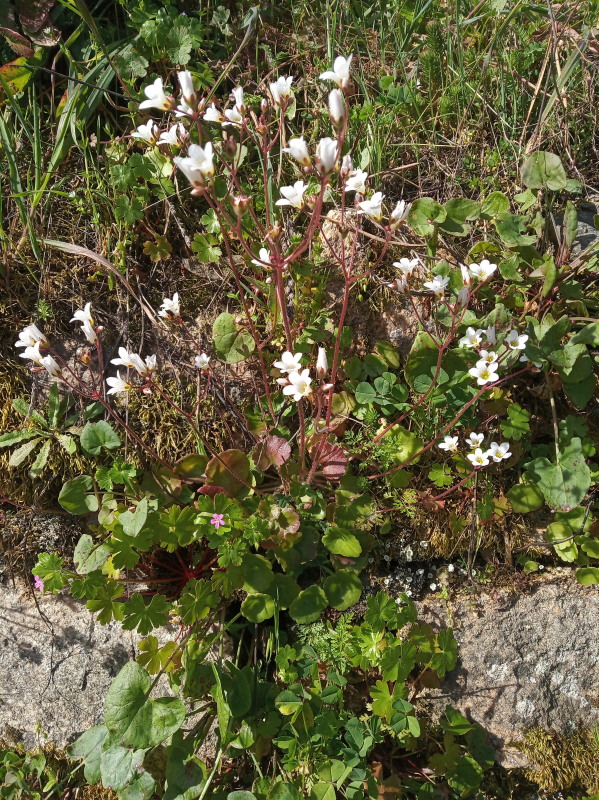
{"points": [[136, 720], [196, 601], [133, 521], [543, 170], [257, 573], [342, 542], [423, 215], [76, 498], [88, 555], [454, 722], [343, 589], [49, 569], [512, 230], [258, 607], [23, 452], [365, 393], [445, 660], [228, 471], [440, 475], [580, 392], [517, 424], [241, 794], [283, 590], [204, 246], [88, 748], [308, 605], [185, 773], [232, 345], [14, 437], [383, 698], [41, 460], [525, 497], [495, 205], [117, 766], [103, 603], [566, 483], [145, 617], [587, 335], [556, 533], [588, 576], [97, 435], [155, 658], [191, 467]]}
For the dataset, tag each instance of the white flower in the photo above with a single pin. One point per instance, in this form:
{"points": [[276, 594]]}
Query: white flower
{"points": [[299, 385], [484, 373], [326, 154], [515, 341], [406, 265], [202, 361], [322, 365], [150, 365], [400, 212], [212, 114], [437, 286], [373, 207], [483, 270], [475, 439], [336, 106], [499, 451], [400, 284], [183, 109], [293, 195], [170, 308], [281, 90], [173, 136], [478, 458], [51, 366], [263, 258], [357, 181], [463, 295], [298, 149], [186, 84], [450, 568], [198, 166], [488, 356], [84, 316], [347, 165], [148, 132], [289, 362], [130, 360], [473, 338], [449, 444], [466, 276], [32, 352], [491, 335], [239, 99], [234, 117], [30, 336], [156, 97], [339, 73], [117, 384], [433, 587]]}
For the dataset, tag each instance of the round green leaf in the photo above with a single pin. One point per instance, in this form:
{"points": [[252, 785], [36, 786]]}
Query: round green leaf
{"points": [[342, 542], [228, 471], [88, 555], [257, 573], [283, 590], [525, 497], [74, 496], [258, 607], [343, 589], [308, 605], [588, 576], [543, 170], [97, 435]]}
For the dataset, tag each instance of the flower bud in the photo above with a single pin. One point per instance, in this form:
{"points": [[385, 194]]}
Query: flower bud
{"points": [[322, 365], [241, 203], [230, 146], [336, 107], [264, 105]]}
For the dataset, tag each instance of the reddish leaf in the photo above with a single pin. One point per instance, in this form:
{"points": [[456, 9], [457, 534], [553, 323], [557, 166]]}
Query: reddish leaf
{"points": [[34, 14], [333, 461], [229, 470], [18, 43], [212, 491], [272, 451]]}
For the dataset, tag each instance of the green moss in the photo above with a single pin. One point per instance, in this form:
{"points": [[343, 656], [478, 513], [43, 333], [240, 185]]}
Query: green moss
{"points": [[563, 762]]}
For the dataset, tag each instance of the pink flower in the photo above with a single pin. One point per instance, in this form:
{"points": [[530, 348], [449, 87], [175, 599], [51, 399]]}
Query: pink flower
{"points": [[38, 583], [217, 520]]}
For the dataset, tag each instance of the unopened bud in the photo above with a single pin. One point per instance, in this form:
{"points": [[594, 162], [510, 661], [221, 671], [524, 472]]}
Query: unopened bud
{"points": [[241, 204], [230, 146], [322, 365], [264, 105]]}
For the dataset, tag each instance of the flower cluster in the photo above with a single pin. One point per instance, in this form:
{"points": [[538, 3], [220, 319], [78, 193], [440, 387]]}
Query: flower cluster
{"points": [[297, 382], [477, 457], [486, 368]]}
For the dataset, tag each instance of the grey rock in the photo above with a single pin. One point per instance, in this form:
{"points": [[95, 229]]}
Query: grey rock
{"points": [[524, 661], [57, 664]]}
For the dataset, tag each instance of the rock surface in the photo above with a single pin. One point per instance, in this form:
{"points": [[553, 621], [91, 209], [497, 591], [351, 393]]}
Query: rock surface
{"points": [[55, 671], [524, 661]]}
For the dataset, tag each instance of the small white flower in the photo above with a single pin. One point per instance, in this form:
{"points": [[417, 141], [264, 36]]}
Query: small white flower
{"points": [[239, 99], [475, 440], [449, 444], [400, 284], [51, 366], [130, 360], [463, 295], [466, 276], [173, 136], [483, 270], [498, 452], [117, 384], [340, 72], [322, 365], [281, 90], [197, 166], [289, 362], [299, 385], [156, 97], [515, 341], [149, 132], [400, 212], [433, 587], [326, 155], [406, 265], [336, 106], [186, 84], [484, 373], [234, 117], [90, 333], [263, 258], [478, 458], [150, 365], [298, 149], [373, 208], [473, 338], [450, 568], [30, 336], [488, 356], [346, 165], [293, 195], [32, 352], [170, 308], [202, 361], [491, 335], [212, 114], [357, 181], [84, 316], [437, 286], [183, 109]]}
